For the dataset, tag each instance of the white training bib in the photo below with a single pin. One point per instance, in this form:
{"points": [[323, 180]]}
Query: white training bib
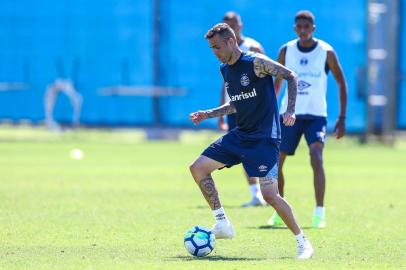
{"points": [[312, 81], [248, 43]]}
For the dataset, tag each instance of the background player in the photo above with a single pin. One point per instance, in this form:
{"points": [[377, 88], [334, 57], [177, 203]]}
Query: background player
{"points": [[311, 59]]}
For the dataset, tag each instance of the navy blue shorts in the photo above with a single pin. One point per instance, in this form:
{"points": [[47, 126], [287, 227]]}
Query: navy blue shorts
{"points": [[313, 128], [231, 121], [259, 157]]}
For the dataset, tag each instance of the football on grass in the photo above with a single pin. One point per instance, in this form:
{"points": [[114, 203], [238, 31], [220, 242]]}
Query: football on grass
{"points": [[199, 241]]}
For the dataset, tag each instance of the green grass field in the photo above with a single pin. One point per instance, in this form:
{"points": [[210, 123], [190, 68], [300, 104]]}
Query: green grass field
{"points": [[127, 204]]}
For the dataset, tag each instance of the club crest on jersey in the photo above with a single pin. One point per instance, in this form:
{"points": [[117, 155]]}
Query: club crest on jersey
{"points": [[244, 80]]}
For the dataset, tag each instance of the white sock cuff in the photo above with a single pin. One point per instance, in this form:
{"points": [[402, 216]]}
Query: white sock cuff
{"points": [[254, 188], [319, 210], [300, 237], [219, 214]]}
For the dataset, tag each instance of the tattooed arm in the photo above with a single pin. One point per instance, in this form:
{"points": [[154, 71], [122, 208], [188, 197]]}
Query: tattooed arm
{"points": [[225, 109], [263, 66]]}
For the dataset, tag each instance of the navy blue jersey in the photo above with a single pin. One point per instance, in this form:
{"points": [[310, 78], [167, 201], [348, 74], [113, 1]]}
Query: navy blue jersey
{"points": [[254, 99]]}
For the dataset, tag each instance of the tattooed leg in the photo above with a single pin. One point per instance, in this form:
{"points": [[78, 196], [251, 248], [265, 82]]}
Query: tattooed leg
{"points": [[209, 192], [201, 170]]}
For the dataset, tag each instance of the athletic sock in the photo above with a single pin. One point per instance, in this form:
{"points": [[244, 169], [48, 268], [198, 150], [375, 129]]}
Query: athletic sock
{"points": [[254, 188], [300, 238], [220, 215], [319, 211]]}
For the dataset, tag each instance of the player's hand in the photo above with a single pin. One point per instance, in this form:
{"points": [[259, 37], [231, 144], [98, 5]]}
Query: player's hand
{"points": [[339, 128], [289, 119], [198, 117], [221, 124]]}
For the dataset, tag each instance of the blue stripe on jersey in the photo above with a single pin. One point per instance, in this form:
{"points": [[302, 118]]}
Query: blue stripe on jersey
{"points": [[276, 131], [254, 99]]}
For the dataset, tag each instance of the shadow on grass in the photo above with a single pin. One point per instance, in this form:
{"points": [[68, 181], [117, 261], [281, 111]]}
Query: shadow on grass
{"points": [[215, 258], [225, 206], [269, 227]]}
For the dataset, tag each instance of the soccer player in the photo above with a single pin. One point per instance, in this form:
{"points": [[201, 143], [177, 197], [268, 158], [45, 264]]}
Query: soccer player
{"points": [[233, 19], [311, 59], [255, 140]]}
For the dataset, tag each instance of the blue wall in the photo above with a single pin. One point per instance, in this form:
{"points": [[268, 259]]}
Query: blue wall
{"points": [[271, 23], [402, 82], [110, 43], [92, 41]]}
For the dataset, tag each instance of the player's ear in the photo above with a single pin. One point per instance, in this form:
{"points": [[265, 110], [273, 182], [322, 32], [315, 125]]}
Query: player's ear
{"points": [[230, 41]]}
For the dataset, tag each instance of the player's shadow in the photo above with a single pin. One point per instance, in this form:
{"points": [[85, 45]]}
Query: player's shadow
{"points": [[216, 258], [225, 206], [269, 227]]}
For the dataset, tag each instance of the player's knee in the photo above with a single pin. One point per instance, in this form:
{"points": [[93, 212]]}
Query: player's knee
{"points": [[271, 199], [268, 189], [197, 171], [194, 168], [316, 155]]}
